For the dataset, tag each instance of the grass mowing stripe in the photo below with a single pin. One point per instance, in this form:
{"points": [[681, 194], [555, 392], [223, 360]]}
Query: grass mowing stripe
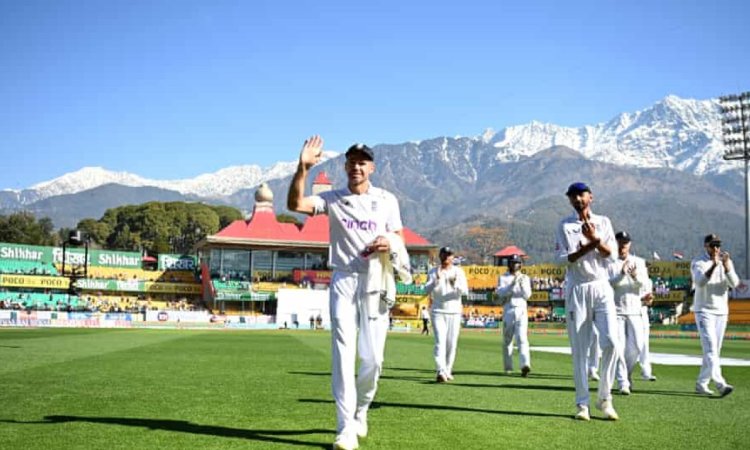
{"points": [[271, 390], [61, 345]]}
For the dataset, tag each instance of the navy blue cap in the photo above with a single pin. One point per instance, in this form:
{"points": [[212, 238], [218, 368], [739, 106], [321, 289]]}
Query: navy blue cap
{"points": [[515, 259], [363, 149], [712, 239], [577, 188], [446, 251], [623, 236]]}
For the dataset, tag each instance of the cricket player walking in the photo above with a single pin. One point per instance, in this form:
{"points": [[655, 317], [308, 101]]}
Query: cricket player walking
{"points": [[514, 290], [586, 243], [360, 217], [628, 276]]}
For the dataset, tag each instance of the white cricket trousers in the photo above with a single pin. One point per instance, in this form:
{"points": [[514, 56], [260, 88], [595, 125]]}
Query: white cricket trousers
{"points": [[594, 352], [645, 358], [446, 328], [589, 305], [348, 313], [630, 340], [516, 325], [711, 328]]}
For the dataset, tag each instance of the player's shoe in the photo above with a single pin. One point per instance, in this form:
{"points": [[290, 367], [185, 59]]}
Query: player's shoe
{"points": [[625, 390], [525, 371], [449, 377], [648, 377], [593, 375], [726, 390], [703, 390], [583, 413], [605, 406], [345, 441], [441, 378], [360, 424]]}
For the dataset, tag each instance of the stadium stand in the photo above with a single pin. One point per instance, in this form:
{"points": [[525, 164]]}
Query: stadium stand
{"points": [[26, 267]]}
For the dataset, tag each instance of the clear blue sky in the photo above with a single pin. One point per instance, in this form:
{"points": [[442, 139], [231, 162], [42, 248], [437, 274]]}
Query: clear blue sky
{"points": [[172, 89]]}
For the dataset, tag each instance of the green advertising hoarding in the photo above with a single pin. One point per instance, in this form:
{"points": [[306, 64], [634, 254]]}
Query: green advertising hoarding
{"points": [[97, 258]]}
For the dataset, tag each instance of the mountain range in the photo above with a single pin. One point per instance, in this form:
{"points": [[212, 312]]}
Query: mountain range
{"points": [[659, 172]]}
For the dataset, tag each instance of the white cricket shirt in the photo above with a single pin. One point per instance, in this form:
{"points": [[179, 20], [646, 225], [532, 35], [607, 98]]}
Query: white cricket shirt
{"points": [[355, 221], [592, 266], [628, 290], [712, 294], [515, 290], [446, 291]]}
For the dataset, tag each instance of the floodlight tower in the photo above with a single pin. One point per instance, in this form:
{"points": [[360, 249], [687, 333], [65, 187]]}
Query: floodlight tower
{"points": [[735, 127]]}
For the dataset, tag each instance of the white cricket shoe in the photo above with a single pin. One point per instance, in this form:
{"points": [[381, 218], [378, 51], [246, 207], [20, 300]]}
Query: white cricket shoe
{"points": [[583, 413], [449, 376], [703, 390], [605, 406], [648, 377], [593, 375], [360, 425], [625, 390], [345, 441]]}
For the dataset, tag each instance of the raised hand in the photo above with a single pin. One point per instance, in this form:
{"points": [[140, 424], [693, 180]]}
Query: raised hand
{"points": [[311, 152], [727, 261]]}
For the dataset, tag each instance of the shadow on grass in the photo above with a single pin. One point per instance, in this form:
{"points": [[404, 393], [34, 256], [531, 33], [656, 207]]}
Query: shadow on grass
{"points": [[532, 387], [546, 376], [423, 407], [183, 426], [675, 394], [316, 374], [408, 369]]}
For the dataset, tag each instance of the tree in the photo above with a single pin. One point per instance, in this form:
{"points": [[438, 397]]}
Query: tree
{"points": [[23, 228], [158, 227], [287, 218], [486, 240]]}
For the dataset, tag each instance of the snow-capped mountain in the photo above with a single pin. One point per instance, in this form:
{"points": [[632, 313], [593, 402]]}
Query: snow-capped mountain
{"points": [[676, 133], [214, 185]]}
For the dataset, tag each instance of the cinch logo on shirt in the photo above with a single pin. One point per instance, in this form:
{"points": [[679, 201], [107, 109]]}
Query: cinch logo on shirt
{"points": [[365, 225]]}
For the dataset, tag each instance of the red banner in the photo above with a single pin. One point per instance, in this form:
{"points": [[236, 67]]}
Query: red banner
{"points": [[313, 276]]}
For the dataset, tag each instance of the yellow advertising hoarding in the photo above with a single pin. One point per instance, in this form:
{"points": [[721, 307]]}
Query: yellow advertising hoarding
{"points": [[483, 277], [27, 281], [669, 269], [172, 288], [670, 297]]}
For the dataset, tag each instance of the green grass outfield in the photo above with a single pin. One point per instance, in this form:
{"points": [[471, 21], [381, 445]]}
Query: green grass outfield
{"points": [[179, 389]]}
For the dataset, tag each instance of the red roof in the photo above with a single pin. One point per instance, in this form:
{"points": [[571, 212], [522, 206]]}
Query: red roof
{"points": [[264, 226], [412, 238], [315, 229], [510, 250], [322, 178]]}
